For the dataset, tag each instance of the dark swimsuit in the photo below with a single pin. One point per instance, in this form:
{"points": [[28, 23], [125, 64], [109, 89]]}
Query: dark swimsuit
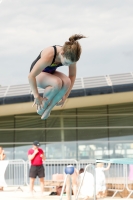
{"points": [[49, 69]]}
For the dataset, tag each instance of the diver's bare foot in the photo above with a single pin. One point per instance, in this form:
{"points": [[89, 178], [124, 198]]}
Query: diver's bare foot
{"points": [[45, 115]]}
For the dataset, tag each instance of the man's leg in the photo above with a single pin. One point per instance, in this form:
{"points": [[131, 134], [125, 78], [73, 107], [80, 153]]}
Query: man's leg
{"points": [[32, 176], [32, 184], [42, 185], [41, 175]]}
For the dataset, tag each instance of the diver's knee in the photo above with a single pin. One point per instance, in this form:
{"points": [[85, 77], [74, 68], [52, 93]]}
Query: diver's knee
{"points": [[66, 83], [57, 84]]}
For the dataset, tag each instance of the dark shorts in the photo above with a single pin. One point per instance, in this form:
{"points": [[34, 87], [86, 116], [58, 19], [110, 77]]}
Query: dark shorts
{"points": [[37, 170]]}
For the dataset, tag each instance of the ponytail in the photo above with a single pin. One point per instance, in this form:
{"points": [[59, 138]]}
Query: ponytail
{"points": [[72, 48], [76, 37]]}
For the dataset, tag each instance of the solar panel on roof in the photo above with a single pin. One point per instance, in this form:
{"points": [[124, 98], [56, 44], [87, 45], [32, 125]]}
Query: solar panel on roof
{"points": [[80, 83]]}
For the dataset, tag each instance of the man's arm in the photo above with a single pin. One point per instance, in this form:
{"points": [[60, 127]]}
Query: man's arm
{"points": [[43, 156], [31, 157]]}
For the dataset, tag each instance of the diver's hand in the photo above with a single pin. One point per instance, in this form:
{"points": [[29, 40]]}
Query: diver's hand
{"points": [[62, 101], [39, 101]]}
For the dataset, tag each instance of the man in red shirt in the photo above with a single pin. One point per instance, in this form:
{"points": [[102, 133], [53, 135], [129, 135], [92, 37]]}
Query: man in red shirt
{"points": [[36, 155]]}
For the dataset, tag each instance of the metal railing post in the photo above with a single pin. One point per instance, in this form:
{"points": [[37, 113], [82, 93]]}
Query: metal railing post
{"points": [[64, 184]]}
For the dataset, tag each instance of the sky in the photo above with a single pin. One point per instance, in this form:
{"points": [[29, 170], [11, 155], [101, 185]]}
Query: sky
{"points": [[28, 26]]}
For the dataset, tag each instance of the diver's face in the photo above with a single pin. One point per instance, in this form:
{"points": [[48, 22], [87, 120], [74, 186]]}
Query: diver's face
{"points": [[65, 61]]}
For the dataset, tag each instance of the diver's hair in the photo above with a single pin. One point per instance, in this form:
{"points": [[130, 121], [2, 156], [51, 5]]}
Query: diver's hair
{"points": [[72, 48]]}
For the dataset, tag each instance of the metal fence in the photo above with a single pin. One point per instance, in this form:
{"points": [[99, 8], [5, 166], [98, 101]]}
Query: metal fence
{"points": [[84, 163], [15, 173], [115, 178], [54, 166], [118, 177], [129, 179]]}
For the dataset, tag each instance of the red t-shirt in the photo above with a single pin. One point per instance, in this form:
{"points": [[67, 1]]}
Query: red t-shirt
{"points": [[37, 160]]}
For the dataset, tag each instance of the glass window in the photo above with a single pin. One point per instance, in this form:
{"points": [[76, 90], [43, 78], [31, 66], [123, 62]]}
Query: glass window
{"points": [[69, 121], [53, 121], [6, 122], [28, 121], [7, 136], [70, 150], [8, 150], [93, 134], [21, 151], [92, 110], [70, 135], [121, 108], [53, 135], [30, 136], [91, 143], [121, 134], [54, 150], [119, 138]]}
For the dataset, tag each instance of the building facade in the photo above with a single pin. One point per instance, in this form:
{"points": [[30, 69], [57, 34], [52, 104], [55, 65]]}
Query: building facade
{"points": [[80, 133], [95, 123]]}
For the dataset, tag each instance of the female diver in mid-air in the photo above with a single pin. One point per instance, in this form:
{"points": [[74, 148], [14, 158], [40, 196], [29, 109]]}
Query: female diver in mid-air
{"points": [[57, 85]]}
